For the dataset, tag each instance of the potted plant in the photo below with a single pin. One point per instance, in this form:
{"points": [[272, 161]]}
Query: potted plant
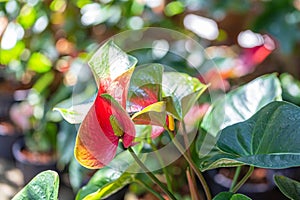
{"points": [[269, 90], [36, 151], [146, 117]]}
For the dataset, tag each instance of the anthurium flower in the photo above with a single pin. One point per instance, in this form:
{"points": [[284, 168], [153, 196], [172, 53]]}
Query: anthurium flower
{"points": [[107, 121], [123, 91], [99, 134]]}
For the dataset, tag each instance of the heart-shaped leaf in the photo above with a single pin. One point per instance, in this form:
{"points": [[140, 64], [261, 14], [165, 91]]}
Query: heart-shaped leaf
{"points": [[288, 187], [43, 186], [181, 92], [269, 139], [145, 87], [230, 196], [240, 104]]}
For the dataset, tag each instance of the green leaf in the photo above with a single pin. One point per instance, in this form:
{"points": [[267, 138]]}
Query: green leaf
{"points": [[81, 103], [111, 187], [110, 61], [240, 104], [99, 180], [288, 187], [181, 92], [111, 178], [269, 139], [44, 186], [208, 153], [76, 113], [290, 88], [39, 63], [230, 196]]}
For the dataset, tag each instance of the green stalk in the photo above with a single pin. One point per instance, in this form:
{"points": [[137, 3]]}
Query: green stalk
{"points": [[192, 165], [235, 178], [165, 171], [244, 179], [147, 187], [193, 184], [150, 174]]}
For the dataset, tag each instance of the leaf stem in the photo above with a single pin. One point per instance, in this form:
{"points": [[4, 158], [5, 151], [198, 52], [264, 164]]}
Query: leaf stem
{"points": [[147, 187], [193, 191], [244, 179], [193, 185], [150, 174], [192, 165], [235, 178], [165, 171]]}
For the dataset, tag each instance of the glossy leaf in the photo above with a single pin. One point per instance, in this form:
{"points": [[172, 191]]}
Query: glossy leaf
{"points": [[76, 113], [290, 88], [112, 187], [269, 139], [181, 91], [110, 179], [230, 196], [209, 153], [145, 87], [44, 186], [240, 104], [288, 187], [101, 178], [81, 103]]}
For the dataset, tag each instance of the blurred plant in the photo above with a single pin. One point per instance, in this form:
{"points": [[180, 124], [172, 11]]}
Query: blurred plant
{"points": [[34, 115]]}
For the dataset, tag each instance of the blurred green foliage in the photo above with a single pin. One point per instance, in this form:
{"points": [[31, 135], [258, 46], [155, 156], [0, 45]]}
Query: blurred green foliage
{"points": [[36, 34]]}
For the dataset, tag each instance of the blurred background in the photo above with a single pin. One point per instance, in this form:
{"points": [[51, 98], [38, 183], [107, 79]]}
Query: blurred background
{"points": [[43, 45]]}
